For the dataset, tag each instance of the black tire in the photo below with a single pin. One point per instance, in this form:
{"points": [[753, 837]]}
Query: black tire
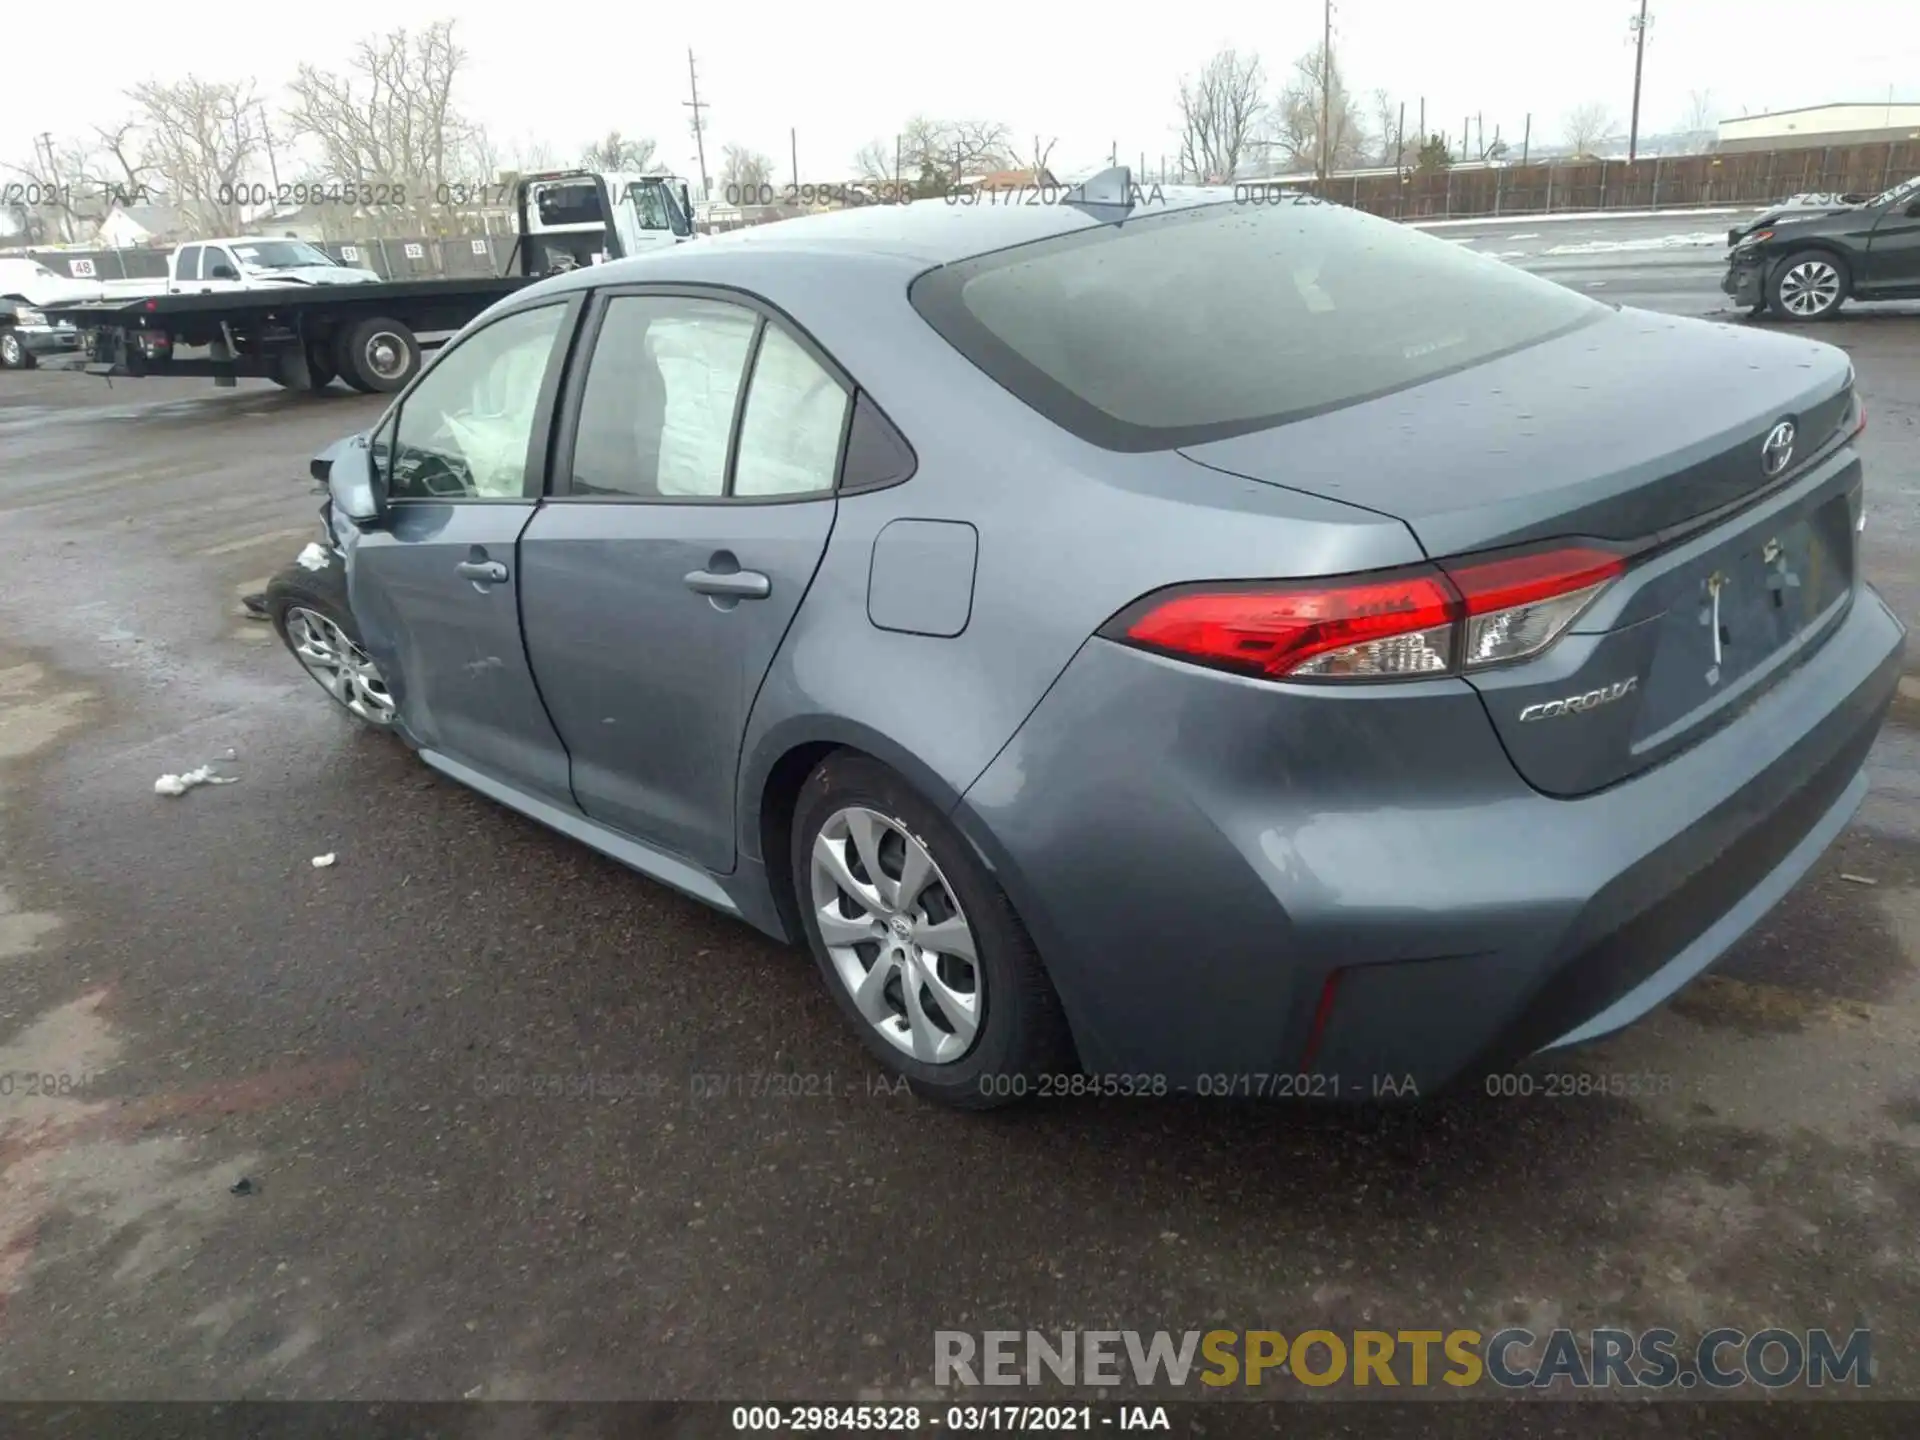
{"points": [[320, 372], [377, 356], [14, 354], [337, 352], [320, 367], [297, 589], [1022, 1034], [1795, 273]]}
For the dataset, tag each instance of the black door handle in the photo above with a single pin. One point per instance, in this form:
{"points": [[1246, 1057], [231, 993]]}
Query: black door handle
{"points": [[490, 571], [740, 585]]}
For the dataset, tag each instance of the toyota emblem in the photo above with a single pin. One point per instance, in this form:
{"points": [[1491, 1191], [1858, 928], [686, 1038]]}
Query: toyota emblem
{"points": [[1777, 452]]}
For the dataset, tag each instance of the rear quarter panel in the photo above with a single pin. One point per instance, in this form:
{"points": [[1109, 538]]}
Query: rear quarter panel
{"points": [[1068, 534]]}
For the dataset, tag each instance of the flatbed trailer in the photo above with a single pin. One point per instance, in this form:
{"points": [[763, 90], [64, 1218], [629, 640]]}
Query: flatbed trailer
{"points": [[300, 336], [371, 334]]}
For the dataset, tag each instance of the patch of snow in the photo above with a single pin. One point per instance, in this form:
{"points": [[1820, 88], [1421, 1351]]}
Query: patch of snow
{"points": [[315, 557], [1698, 240], [180, 784], [1560, 216]]}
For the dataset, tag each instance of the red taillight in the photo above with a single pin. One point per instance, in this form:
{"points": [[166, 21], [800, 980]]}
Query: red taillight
{"points": [[1860, 416], [1429, 620], [1289, 630]]}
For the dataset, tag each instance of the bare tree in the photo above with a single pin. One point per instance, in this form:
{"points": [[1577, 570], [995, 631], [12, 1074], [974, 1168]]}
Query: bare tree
{"points": [[933, 154], [1702, 124], [390, 118], [614, 151], [746, 176], [1220, 110], [874, 163], [1587, 126], [1039, 154], [202, 137], [1393, 149], [1318, 88]]}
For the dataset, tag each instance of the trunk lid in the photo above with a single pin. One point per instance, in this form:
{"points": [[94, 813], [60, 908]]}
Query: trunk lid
{"points": [[1640, 429]]}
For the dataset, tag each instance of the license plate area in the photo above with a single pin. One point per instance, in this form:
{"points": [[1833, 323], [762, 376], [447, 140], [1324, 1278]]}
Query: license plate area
{"points": [[1740, 615]]}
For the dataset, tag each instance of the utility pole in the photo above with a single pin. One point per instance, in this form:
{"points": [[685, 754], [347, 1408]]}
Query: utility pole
{"points": [[1526, 138], [1639, 27], [1326, 95], [266, 133], [699, 128], [1400, 143], [793, 139], [53, 179]]}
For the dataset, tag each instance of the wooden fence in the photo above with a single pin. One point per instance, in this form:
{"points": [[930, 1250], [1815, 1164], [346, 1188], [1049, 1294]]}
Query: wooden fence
{"points": [[1664, 182]]}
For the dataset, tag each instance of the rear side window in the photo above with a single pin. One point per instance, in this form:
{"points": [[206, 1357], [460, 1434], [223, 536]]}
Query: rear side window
{"points": [[1178, 329]]}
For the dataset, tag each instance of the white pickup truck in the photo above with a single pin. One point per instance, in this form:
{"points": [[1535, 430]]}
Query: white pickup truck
{"points": [[285, 311], [218, 267]]}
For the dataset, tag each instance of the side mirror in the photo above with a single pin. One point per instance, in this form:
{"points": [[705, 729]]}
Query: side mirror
{"points": [[224, 272], [1913, 208], [686, 209], [354, 482]]}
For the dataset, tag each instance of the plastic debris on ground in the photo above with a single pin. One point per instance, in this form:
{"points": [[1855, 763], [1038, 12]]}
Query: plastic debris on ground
{"points": [[180, 784], [321, 862], [315, 556]]}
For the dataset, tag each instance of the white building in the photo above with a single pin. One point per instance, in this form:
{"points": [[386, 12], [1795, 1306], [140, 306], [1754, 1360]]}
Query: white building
{"points": [[1818, 126]]}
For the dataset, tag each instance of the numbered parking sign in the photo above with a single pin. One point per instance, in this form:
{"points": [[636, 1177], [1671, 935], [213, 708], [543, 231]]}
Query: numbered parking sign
{"points": [[416, 252], [479, 247], [80, 269], [350, 253]]}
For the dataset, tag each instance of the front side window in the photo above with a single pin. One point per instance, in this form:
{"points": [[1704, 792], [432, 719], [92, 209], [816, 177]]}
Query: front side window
{"points": [[212, 261], [187, 267], [1178, 329], [657, 414], [464, 431], [651, 203]]}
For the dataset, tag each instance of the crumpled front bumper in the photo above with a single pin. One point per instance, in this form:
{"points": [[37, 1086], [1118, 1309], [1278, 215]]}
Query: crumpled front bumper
{"points": [[1746, 279]]}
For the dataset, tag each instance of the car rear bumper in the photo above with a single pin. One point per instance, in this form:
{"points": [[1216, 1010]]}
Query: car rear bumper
{"points": [[1233, 881]]}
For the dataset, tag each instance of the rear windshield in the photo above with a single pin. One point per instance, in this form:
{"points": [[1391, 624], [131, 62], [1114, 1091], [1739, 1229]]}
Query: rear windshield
{"points": [[1182, 328]]}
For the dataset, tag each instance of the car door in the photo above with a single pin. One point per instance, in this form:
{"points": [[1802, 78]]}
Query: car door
{"points": [[219, 271], [184, 278], [693, 498], [1893, 252], [437, 586]]}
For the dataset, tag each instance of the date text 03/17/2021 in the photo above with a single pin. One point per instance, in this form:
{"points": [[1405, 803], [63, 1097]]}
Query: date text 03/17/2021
{"points": [[961, 1419]]}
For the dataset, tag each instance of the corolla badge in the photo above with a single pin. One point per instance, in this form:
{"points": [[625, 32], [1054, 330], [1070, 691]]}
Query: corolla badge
{"points": [[1579, 704], [1776, 452]]}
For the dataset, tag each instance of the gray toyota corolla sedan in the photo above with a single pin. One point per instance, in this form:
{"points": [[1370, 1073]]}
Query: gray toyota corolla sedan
{"points": [[1251, 647]]}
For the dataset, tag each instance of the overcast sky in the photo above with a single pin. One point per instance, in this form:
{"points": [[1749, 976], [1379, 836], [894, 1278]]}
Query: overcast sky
{"points": [[843, 72]]}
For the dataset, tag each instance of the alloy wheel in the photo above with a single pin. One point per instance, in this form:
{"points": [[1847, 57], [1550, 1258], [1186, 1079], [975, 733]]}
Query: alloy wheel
{"points": [[1810, 288], [342, 667], [896, 935]]}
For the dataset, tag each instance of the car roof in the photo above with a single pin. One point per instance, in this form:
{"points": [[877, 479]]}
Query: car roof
{"points": [[931, 232]]}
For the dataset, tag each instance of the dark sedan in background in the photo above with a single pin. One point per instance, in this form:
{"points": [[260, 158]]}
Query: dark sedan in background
{"points": [[1201, 642], [1804, 264]]}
